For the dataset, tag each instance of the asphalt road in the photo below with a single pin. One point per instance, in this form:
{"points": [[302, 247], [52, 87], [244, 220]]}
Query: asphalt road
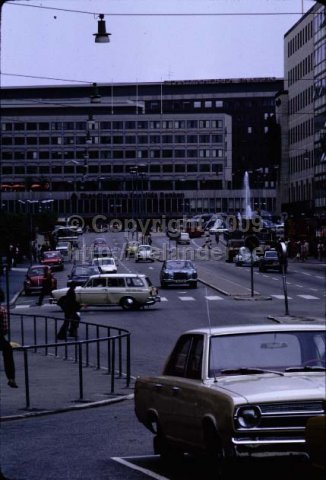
{"points": [[108, 442]]}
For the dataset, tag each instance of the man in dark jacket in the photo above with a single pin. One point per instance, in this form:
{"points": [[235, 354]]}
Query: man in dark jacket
{"points": [[70, 307]]}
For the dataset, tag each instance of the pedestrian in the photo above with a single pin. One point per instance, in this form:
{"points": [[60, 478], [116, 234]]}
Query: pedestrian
{"points": [[320, 249], [46, 286], [5, 347], [208, 241], [71, 308], [217, 238]]}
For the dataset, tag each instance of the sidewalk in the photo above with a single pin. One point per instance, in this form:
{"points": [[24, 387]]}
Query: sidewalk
{"points": [[54, 387]]}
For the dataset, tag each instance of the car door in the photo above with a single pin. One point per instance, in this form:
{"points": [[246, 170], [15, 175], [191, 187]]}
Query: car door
{"points": [[94, 292], [116, 290], [177, 399]]}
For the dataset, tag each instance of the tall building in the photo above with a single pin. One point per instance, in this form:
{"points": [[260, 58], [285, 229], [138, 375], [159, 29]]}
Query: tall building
{"points": [[173, 148], [304, 139]]}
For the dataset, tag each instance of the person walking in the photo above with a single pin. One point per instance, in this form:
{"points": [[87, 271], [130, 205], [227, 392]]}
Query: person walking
{"points": [[71, 308], [5, 347], [46, 286], [208, 241]]}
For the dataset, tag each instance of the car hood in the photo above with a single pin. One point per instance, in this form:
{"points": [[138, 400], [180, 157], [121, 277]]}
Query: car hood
{"points": [[271, 387]]}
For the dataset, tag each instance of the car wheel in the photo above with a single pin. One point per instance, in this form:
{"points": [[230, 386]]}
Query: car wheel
{"points": [[27, 292], [167, 452], [129, 303], [193, 285]]}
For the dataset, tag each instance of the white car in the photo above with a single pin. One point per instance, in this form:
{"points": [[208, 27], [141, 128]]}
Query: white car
{"points": [[105, 264], [128, 290], [184, 238], [65, 249], [243, 258], [144, 253], [234, 390]]}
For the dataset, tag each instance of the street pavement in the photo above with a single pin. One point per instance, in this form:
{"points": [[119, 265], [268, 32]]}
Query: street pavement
{"points": [[54, 382]]}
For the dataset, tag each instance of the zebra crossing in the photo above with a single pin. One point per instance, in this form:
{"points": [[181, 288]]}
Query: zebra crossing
{"points": [[189, 298]]}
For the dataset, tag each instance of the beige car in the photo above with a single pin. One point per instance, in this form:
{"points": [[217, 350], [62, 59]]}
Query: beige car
{"points": [[128, 290], [231, 390]]}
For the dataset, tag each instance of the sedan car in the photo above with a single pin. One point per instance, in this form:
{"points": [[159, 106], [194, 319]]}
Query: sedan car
{"points": [[34, 279], [233, 390], [270, 261], [144, 253], [81, 273], [178, 272], [53, 259], [65, 248], [105, 264]]}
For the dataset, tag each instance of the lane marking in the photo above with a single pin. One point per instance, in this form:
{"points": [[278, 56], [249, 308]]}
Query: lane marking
{"points": [[308, 297], [213, 297], [187, 299], [138, 468], [281, 297]]}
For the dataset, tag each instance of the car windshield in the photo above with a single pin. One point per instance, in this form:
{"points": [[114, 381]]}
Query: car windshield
{"points": [[272, 350], [50, 254], [85, 271], [176, 264], [271, 254], [36, 271]]}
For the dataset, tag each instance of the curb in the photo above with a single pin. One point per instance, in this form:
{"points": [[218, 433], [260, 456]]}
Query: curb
{"points": [[214, 287], [78, 406]]}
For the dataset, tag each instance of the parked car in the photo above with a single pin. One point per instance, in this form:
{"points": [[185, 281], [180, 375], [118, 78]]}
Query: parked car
{"points": [[270, 261], [184, 238], [243, 258], [34, 279], [144, 253], [105, 264], [53, 259], [230, 390], [80, 274], [128, 290], [178, 272]]}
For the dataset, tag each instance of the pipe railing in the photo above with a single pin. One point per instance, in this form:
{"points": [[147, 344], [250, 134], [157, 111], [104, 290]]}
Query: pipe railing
{"points": [[114, 356]]}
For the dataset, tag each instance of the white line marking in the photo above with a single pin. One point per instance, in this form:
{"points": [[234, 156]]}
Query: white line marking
{"points": [[274, 278], [308, 274], [300, 286], [187, 299], [213, 297], [308, 297], [281, 297], [139, 469], [318, 276], [164, 299], [22, 306]]}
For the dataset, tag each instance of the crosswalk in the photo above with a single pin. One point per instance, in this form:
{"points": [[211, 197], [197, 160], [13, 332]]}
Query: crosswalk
{"points": [[189, 298]]}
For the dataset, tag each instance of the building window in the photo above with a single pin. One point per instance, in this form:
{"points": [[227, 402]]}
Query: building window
{"points": [[208, 104], [197, 104], [219, 103]]}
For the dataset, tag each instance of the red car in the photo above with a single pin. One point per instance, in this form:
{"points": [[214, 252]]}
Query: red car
{"points": [[53, 259], [34, 279]]}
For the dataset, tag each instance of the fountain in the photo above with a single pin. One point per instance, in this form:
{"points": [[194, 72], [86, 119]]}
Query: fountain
{"points": [[247, 212]]}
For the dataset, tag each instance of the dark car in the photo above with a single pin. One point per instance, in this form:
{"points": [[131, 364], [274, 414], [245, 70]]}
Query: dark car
{"points": [[178, 272], [53, 259], [34, 279], [81, 273], [270, 261]]}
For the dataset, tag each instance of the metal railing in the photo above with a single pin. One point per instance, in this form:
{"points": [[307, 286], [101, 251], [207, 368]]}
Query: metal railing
{"points": [[101, 346]]}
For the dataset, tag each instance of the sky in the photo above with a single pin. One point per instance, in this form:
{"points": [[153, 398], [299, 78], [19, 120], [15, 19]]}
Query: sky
{"points": [[151, 40]]}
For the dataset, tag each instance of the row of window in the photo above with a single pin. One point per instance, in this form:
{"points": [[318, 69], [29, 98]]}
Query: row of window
{"points": [[301, 100], [300, 39], [115, 125], [301, 69], [301, 131], [105, 169], [113, 140], [301, 163], [114, 154]]}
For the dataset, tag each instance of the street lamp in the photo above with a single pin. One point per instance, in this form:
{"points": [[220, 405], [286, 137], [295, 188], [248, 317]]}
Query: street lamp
{"points": [[101, 36]]}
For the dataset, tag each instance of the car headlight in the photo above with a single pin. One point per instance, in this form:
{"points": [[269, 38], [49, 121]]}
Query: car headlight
{"points": [[248, 417]]}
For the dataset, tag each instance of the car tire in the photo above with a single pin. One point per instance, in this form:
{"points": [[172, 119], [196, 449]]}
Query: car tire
{"points": [[129, 303], [193, 285], [163, 285], [166, 451], [27, 292]]}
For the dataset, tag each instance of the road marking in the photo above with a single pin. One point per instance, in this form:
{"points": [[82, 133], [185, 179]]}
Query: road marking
{"points": [[308, 274], [297, 285], [187, 299], [164, 299], [213, 297], [308, 297], [318, 276], [281, 297], [138, 468], [274, 278]]}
